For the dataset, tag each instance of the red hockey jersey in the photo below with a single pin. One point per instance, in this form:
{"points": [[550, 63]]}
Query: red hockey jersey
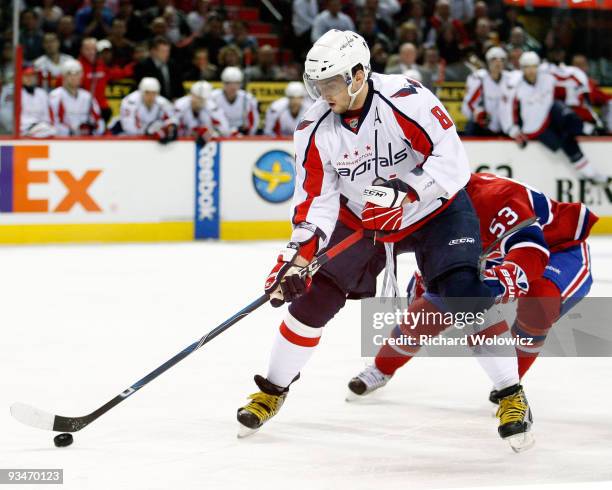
{"points": [[502, 203]]}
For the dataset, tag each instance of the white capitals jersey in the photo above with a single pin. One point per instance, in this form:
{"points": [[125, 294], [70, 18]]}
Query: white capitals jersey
{"points": [[210, 119], [526, 106], [75, 114], [34, 109], [280, 121], [241, 113], [50, 73], [402, 128], [136, 117], [484, 94], [572, 83]]}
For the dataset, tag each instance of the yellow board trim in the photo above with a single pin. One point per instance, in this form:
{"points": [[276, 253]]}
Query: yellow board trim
{"points": [[603, 226], [255, 230], [96, 232], [281, 230]]}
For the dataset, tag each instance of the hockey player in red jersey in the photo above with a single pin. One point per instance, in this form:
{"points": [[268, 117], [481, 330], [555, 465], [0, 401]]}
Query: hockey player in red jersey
{"points": [[552, 253], [380, 153]]}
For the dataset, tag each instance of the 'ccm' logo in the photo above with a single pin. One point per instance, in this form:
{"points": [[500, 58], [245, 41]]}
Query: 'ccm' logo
{"points": [[16, 177], [458, 241]]}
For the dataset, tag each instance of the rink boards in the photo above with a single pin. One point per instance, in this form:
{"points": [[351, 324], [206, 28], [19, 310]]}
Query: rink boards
{"points": [[106, 190]]}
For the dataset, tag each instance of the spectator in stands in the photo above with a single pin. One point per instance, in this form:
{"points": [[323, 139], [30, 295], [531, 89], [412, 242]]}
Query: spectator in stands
{"points": [[211, 37], [7, 65], [462, 10], [382, 11], [135, 26], [49, 15], [201, 68], [418, 18], [122, 47], [432, 68], [230, 56], [303, 15], [449, 44], [408, 32], [97, 74], [49, 65], [35, 117], [70, 41], [266, 67], [240, 36], [159, 28], [30, 37], [74, 111], [519, 39], [283, 115], [94, 20], [481, 11], [239, 106], [482, 37], [369, 31], [146, 112], [159, 65], [177, 28], [156, 10], [197, 18], [441, 19], [379, 58], [509, 22], [331, 18], [198, 116], [405, 63]]}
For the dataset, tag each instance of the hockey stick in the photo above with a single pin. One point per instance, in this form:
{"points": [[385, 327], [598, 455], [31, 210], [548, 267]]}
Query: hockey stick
{"points": [[497, 241], [35, 417]]}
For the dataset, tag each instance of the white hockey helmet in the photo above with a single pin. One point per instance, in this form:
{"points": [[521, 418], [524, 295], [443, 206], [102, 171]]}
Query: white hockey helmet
{"points": [[336, 53], [149, 84], [529, 58], [231, 74], [496, 53], [71, 66], [201, 89], [295, 89]]}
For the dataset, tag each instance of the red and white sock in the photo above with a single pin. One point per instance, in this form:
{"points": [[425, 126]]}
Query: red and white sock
{"points": [[293, 345]]}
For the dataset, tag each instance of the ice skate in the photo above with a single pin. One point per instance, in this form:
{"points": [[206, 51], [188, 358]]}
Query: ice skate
{"points": [[264, 405], [367, 381], [515, 419]]}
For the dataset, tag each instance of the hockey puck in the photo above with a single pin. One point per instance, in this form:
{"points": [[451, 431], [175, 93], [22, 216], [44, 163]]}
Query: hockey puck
{"points": [[63, 440]]}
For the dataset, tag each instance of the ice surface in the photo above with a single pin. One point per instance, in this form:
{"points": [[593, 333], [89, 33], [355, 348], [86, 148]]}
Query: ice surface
{"points": [[82, 323]]}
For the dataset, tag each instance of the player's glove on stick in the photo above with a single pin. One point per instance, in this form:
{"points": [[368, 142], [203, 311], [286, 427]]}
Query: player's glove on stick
{"points": [[284, 283], [508, 281], [383, 205]]}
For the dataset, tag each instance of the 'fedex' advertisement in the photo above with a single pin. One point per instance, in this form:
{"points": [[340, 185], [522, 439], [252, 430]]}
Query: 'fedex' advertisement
{"points": [[17, 177]]}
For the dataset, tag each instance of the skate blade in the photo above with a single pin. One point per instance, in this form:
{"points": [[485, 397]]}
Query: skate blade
{"points": [[353, 397], [244, 431], [521, 442]]}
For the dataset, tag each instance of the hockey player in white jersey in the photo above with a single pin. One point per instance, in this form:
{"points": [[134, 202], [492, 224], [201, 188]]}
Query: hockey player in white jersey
{"points": [[35, 112], [283, 115], [531, 112], [573, 88], [49, 65], [74, 111], [377, 153], [483, 95], [145, 112], [239, 106], [197, 115]]}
